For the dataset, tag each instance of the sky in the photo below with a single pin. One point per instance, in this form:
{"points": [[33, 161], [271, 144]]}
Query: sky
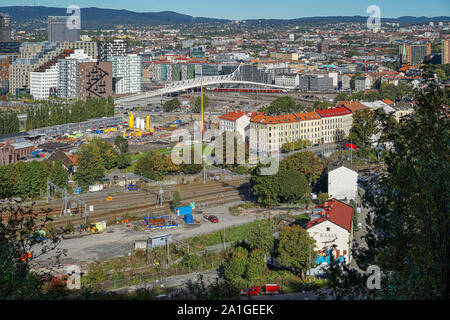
{"points": [[254, 9]]}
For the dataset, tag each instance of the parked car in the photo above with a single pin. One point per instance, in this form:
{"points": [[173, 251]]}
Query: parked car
{"points": [[213, 219]]}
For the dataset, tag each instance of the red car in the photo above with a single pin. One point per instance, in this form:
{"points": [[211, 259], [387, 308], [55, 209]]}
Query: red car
{"points": [[351, 146], [213, 219]]}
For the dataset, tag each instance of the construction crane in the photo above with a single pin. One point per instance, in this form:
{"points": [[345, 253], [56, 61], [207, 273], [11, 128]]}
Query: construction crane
{"points": [[151, 182], [81, 203]]}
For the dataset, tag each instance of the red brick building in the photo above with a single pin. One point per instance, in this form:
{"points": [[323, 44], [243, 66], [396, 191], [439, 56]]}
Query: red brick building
{"points": [[95, 80]]}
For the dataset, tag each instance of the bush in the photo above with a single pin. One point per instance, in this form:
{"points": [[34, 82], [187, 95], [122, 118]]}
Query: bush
{"points": [[192, 261], [236, 264], [242, 170], [69, 227], [255, 266]]}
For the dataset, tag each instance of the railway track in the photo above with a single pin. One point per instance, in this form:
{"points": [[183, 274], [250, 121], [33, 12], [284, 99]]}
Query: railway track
{"points": [[138, 202], [141, 209], [124, 199]]}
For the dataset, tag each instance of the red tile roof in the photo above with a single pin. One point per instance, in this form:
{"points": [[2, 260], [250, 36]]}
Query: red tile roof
{"points": [[333, 112], [233, 116], [261, 118], [351, 105], [335, 211], [307, 115]]}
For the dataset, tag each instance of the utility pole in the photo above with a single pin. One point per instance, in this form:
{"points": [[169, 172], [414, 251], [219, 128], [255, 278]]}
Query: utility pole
{"points": [[351, 151], [223, 238], [309, 268]]}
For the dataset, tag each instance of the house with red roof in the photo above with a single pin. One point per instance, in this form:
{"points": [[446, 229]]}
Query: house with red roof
{"points": [[237, 121], [331, 224]]}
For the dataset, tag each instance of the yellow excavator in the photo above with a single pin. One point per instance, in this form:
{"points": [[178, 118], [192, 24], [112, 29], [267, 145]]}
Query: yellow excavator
{"points": [[95, 227]]}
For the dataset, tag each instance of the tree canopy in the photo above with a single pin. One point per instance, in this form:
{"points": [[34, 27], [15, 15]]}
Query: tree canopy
{"points": [[408, 225]]}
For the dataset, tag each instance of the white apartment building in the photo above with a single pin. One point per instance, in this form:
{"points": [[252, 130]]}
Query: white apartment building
{"points": [[68, 74], [269, 133], [44, 83], [236, 122], [127, 73], [336, 124], [287, 80]]}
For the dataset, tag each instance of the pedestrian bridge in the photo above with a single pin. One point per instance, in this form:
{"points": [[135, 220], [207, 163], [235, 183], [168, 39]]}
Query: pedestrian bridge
{"points": [[234, 78]]}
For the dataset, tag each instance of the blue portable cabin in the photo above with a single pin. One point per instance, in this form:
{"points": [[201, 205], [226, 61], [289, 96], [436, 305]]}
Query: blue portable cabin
{"points": [[188, 219], [181, 211]]}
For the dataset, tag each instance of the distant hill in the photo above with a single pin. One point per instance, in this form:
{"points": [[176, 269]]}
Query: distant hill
{"points": [[95, 17]]}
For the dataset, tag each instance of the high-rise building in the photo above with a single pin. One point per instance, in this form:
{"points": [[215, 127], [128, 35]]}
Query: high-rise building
{"points": [[68, 74], [58, 30], [5, 27], [44, 80], [111, 48], [126, 73], [94, 79], [33, 55], [322, 47], [414, 54], [445, 52]]}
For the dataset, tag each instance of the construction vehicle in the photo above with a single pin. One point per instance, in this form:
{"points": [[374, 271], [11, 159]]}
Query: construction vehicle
{"points": [[95, 227]]}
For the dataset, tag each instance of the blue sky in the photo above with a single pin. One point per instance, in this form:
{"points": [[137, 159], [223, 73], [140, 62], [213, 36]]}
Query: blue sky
{"points": [[252, 9]]}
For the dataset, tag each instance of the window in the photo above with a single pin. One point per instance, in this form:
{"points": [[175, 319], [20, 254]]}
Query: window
{"points": [[328, 228]]}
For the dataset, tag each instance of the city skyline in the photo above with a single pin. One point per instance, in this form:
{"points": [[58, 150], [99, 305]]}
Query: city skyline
{"points": [[264, 9]]}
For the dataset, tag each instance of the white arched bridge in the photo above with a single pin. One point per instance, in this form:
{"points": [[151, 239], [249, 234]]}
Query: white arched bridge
{"points": [[234, 78]]}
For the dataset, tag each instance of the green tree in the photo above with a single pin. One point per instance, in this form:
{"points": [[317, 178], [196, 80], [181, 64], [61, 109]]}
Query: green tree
{"points": [[304, 162], [58, 174], [364, 126], [154, 166], [121, 143], [408, 225], [176, 199], [90, 166], [260, 236], [294, 248], [236, 264], [123, 161], [282, 105], [197, 105], [6, 181], [322, 197], [192, 261], [171, 105], [255, 266]]}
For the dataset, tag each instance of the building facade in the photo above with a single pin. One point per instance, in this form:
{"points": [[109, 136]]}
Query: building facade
{"points": [[58, 30], [111, 48], [445, 51], [269, 133], [342, 183], [336, 124], [126, 73], [5, 27], [94, 80], [44, 83], [68, 74], [331, 224]]}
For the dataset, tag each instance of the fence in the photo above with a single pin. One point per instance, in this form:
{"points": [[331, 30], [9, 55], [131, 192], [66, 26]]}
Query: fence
{"points": [[164, 278]]}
